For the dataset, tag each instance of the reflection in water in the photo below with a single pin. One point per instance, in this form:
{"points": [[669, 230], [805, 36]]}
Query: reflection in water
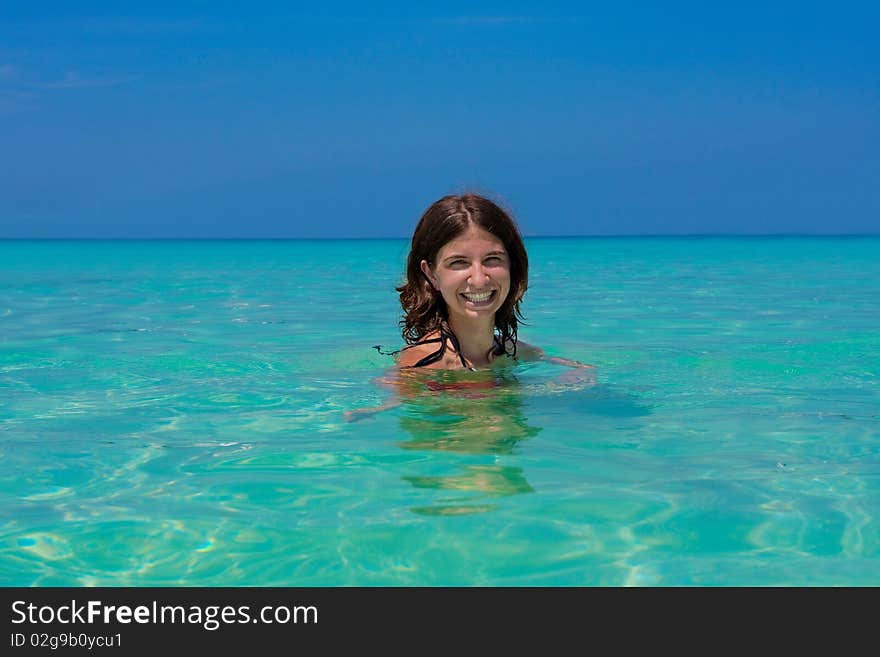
{"points": [[467, 413], [491, 478]]}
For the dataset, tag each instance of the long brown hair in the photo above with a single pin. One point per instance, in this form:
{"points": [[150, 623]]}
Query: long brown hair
{"points": [[424, 310]]}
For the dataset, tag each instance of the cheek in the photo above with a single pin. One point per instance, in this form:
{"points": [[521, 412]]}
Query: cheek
{"points": [[508, 288], [450, 280], [445, 286]]}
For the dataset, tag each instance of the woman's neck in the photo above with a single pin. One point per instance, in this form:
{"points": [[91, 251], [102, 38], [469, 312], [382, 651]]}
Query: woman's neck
{"points": [[475, 339]]}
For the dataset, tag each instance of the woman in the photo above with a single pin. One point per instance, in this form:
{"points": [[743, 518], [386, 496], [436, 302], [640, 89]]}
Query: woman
{"points": [[466, 275]]}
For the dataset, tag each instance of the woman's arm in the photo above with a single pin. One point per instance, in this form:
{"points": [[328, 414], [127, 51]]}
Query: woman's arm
{"points": [[581, 375], [361, 413], [531, 352], [392, 381], [567, 362]]}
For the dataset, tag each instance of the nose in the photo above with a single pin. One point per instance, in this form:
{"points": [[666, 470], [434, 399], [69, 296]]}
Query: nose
{"points": [[478, 278]]}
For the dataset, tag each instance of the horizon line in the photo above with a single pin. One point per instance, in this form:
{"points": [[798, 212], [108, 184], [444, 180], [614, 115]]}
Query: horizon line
{"points": [[365, 239]]}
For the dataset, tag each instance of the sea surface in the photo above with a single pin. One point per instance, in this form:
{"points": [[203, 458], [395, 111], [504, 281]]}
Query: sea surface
{"points": [[172, 414]]}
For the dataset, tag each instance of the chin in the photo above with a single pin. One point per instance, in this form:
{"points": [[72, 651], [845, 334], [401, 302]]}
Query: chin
{"points": [[479, 312]]}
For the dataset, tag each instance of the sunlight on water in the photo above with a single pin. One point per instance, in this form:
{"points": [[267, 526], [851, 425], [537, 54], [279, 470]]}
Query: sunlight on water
{"points": [[172, 413]]}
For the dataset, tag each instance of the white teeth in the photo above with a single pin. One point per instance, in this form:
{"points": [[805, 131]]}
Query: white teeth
{"points": [[478, 297]]}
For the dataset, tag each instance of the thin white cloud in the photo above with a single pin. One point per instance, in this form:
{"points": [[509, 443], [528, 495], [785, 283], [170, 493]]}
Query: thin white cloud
{"points": [[14, 102], [109, 26], [211, 82], [502, 20], [132, 26], [74, 80]]}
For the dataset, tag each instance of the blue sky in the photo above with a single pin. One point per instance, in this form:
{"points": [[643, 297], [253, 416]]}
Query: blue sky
{"points": [[212, 119]]}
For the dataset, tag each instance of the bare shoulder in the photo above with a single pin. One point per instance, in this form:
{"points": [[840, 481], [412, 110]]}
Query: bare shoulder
{"points": [[526, 351], [412, 354]]}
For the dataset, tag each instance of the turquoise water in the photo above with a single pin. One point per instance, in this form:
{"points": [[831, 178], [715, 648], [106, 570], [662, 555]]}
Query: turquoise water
{"points": [[171, 413]]}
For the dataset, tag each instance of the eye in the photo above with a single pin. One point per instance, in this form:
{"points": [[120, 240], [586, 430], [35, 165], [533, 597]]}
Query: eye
{"points": [[456, 264], [494, 260]]}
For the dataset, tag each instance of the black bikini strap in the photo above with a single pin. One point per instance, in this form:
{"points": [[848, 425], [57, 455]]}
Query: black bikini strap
{"points": [[434, 357], [378, 347], [454, 341], [437, 355]]}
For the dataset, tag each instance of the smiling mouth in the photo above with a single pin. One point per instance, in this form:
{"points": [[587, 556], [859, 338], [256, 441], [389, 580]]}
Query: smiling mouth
{"points": [[479, 299]]}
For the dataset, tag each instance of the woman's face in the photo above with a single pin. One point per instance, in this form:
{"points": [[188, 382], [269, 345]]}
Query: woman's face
{"points": [[472, 272]]}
